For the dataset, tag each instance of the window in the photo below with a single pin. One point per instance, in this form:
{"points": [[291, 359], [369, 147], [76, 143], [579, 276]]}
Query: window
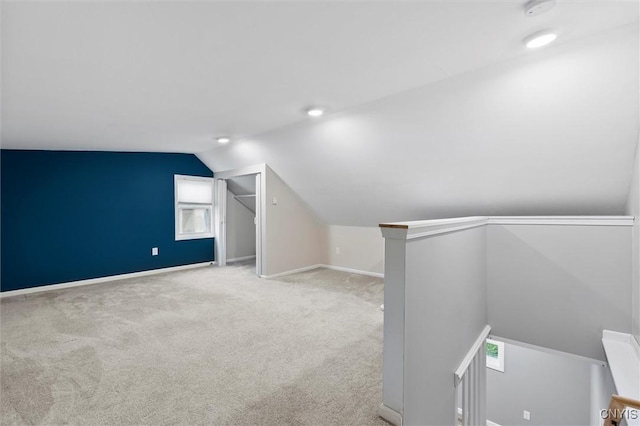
{"points": [[194, 207], [495, 355]]}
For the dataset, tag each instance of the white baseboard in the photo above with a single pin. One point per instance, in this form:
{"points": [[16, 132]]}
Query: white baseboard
{"points": [[238, 259], [322, 265], [91, 281], [353, 271], [390, 415], [293, 271], [489, 422]]}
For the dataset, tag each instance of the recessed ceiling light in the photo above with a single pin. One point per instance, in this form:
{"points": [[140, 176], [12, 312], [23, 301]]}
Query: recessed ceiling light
{"points": [[315, 111], [539, 39], [223, 139]]}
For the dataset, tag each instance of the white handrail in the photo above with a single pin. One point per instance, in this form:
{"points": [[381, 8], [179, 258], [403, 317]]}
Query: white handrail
{"points": [[471, 354]]}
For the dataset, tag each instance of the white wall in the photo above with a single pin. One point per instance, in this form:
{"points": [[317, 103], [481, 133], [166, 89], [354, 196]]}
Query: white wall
{"points": [[295, 238], [633, 209], [559, 286], [361, 248], [555, 388], [435, 308], [241, 230]]}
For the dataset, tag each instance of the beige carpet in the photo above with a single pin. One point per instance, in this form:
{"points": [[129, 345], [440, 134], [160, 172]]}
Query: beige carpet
{"points": [[203, 346]]}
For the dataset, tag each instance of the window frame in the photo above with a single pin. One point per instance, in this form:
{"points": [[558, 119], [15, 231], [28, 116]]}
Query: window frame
{"points": [[495, 363], [179, 236]]}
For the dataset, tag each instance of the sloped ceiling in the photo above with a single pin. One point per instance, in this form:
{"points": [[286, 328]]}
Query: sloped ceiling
{"points": [[243, 189], [435, 108], [552, 133]]}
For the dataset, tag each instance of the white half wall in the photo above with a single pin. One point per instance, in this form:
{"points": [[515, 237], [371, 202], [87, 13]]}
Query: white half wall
{"points": [[356, 247], [435, 308], [558, 286], [445, 310], [295, 237], [241, 229], [633, 209]]}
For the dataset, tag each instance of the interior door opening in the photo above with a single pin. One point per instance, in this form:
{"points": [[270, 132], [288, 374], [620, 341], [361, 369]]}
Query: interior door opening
{"points": [[241, 219], [238, 218]]}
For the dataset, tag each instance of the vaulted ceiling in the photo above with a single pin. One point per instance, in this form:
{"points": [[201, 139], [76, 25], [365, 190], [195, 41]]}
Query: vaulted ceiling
{"points": [[435, 108]]}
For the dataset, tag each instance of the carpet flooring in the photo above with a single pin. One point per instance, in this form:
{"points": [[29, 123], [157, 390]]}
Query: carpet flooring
{"points": [[211, 345]]}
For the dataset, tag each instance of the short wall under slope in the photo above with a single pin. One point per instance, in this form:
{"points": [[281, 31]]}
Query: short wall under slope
{"points": [[356, 248], [295, 238]]}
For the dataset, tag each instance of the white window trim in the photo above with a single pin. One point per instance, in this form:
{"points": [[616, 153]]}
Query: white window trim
{"points": [[195, 236], [496, 363]]}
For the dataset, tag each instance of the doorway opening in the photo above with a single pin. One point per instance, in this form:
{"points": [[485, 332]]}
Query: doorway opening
{"points": [[239, 216]]}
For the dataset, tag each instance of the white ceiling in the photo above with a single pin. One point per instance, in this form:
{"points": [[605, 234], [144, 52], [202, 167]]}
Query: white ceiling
{"points": [[169, 76], [436, 108]]}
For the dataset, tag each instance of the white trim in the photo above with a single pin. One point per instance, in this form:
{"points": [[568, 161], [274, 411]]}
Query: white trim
{"points": [[291, 272], [489, 422], [390, 415], [194, 236], [220, 220], [623, 355], [550, 351], [562, 220], [261, 221], [249, 170], [498, 364], [91, 281], [322, 265], [352, 271], [238, 259], [426, 228], [260, 170], [464, 365]]}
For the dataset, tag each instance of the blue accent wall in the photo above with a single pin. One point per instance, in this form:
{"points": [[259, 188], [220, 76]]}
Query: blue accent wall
{"points": [[70, 215]]}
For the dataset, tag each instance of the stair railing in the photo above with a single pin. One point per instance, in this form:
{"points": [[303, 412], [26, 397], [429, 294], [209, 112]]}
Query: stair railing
{"points": [[472, 376]]}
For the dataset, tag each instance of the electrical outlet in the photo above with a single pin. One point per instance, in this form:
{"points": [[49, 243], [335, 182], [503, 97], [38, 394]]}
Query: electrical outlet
{"points": [[154, 251], [526, 415], [338, 250]]}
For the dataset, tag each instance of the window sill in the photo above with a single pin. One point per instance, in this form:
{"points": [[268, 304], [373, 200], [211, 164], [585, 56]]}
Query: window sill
{"points": [[193, 237]]}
